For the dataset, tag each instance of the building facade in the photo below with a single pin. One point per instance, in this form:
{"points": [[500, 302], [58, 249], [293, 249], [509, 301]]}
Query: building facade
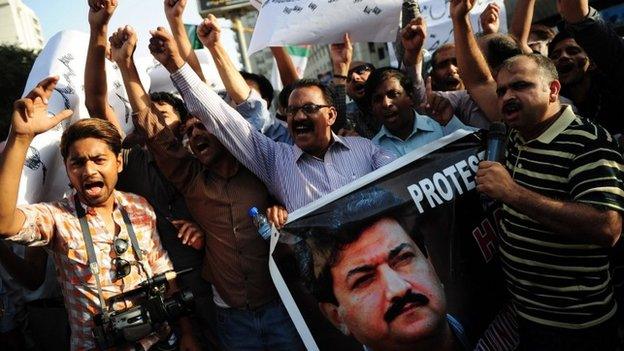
{"points": [[19, 26]]}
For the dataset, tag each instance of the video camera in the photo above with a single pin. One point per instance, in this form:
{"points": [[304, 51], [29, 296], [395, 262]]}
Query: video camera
{"points": [[118, 328]]}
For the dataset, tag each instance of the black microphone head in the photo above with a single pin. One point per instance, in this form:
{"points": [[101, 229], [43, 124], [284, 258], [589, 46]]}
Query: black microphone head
{"points": [[497, 129]]}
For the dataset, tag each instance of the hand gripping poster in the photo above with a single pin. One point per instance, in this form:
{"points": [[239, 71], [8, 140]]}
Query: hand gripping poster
{"points": [[405, 256]]}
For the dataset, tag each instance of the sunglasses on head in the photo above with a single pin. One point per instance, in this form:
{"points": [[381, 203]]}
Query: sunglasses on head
{"points": [[361, 69], [307, 109]]}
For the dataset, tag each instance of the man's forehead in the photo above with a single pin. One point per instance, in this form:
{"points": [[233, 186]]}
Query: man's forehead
{"points": [[390, 83], [521, 69], [306, 94], [374, 244], [566, 43], [88, 147]]}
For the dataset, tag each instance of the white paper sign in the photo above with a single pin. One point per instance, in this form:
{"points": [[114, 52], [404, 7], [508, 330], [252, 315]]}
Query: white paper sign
{"points": [[439, 23], [300, 22]]}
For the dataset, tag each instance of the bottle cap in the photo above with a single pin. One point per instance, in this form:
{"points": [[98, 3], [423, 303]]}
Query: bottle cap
{"points": [[253, 212]]}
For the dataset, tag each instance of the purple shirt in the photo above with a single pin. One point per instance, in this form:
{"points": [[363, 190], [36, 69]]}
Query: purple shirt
{"points": [[292, 176]]}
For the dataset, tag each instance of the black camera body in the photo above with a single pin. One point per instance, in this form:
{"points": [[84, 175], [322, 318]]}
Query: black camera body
{"points": [[130, 325]]}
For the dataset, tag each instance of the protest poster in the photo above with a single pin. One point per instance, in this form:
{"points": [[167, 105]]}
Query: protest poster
{"points": [[325, 262], [306, 22]]}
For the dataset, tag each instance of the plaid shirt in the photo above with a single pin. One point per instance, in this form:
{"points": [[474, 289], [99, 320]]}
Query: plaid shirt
{"points": [[56, 225]]}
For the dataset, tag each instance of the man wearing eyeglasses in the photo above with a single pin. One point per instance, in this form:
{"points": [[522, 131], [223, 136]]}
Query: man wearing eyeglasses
{"points": [[318, 163], [91, 151]]}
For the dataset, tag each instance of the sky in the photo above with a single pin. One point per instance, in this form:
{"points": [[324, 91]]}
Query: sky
{"points": [[143, 15]]}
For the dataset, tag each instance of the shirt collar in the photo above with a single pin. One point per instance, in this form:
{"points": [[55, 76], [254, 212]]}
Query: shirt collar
{"points": [[120, 201], [557, 127], [420, 123], [336, 140]]}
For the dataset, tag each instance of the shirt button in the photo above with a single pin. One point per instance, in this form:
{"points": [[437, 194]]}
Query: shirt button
{"points": [[519, 165]]}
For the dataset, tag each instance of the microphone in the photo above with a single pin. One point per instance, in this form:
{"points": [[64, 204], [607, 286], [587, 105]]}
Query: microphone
{"points": [[496, 137], [409, 10], [494, 151]]}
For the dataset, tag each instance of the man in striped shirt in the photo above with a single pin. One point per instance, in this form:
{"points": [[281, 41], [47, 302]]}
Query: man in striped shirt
{"points": [[562, 197]]}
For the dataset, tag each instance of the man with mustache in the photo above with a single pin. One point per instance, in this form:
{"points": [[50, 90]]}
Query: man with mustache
{"points": [[444, 69], [373, 279], [562, 199], [218, 191], [318, 163]]}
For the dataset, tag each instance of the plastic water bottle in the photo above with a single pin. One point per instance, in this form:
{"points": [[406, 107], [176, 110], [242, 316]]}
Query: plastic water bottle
{"points": [[261, 222]]}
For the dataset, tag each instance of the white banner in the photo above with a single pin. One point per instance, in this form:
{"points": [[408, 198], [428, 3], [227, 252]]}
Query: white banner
{"points": [[301, 22]]}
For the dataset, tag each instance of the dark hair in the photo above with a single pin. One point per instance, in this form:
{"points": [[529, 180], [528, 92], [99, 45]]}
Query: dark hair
{"points": [[561, 36], [266, 88], [499, 47], [344, 225], [283, 96], [379, 76], [91, 128], [545, 65], [176, 103], [328, 94], [442, 47], [543, 32]]}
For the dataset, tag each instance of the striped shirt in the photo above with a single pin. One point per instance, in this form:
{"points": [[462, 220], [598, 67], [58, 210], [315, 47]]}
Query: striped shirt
{"points": [[55, 225], [292, 176], [554, 279]]}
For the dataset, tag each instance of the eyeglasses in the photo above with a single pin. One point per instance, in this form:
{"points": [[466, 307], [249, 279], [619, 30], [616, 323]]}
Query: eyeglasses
{"points": [[361, 69], [122, 266], [307, 109]]}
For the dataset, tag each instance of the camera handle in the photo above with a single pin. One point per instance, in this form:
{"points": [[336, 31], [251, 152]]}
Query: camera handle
{"points": [[93, 265]]}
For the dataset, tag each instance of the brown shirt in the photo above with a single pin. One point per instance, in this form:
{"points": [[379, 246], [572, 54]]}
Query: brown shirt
{"points": [[236, 260]]}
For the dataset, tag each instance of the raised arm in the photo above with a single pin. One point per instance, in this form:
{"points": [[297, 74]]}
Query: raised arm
{"points": [[174, 161], [341, 55], [209, 33], [285, 66], [413, 38], [603, 45], [254, 150], [473, 67], [174, 10], [96, 94], [490, 19], [30, 118], [521, 23]]}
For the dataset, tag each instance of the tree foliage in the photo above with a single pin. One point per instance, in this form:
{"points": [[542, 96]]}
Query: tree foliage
{"points": [[14, 70]]}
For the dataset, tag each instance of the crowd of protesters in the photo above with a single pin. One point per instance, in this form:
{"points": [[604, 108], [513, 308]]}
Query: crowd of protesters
{"points": [[175, 193]]}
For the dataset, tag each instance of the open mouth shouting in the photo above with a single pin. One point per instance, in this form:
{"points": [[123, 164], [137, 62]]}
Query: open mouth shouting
{"points": [[93, 188], [302, 128], [511, 109]]}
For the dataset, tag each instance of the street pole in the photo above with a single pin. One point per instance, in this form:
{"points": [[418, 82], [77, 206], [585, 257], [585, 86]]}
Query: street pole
{"points": [[237, 25]]}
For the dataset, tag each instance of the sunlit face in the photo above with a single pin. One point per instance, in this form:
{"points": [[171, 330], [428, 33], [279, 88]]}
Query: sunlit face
{"points": [[523, 95], [571, 61], [205, 146], [445, 73], [388, 293], [392, 106], [92, 168], [311, 133]]}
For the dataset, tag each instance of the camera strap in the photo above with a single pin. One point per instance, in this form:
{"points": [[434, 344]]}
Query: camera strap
{"points": [[93, 265]]}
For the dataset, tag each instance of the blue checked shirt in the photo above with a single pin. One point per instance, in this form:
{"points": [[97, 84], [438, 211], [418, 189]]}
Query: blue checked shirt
{"points": [[292, 176]]}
